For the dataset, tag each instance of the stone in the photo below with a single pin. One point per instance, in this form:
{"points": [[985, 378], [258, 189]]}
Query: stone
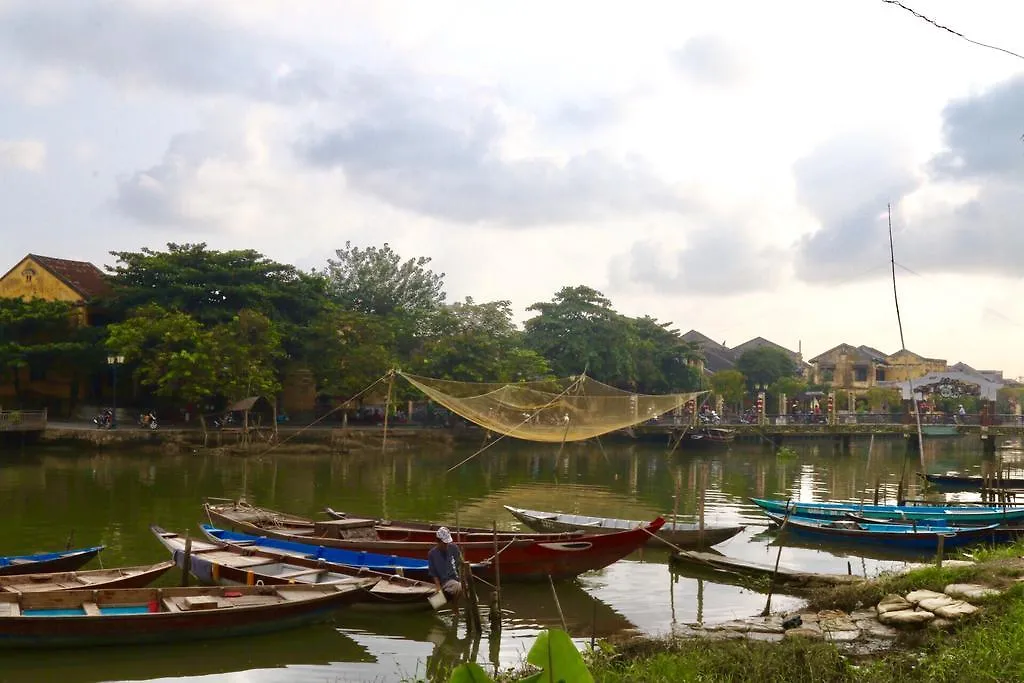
{"points": [[803, 632], [932, 604], [858, 614], [841, 635], [871, 628], [906, 617], [956, 610], [765, 637], [970, 591], [765, 628], [917, 596], [939, 624], [892, 603], [957, 564]]}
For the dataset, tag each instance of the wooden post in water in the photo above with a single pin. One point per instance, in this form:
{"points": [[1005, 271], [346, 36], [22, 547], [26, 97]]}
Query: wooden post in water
{"points": [[877, 484], [558, 605], [703, 499], [496, 602], [778, 556], [186, 561], [71, 537], [472, 605], [938, 557]]}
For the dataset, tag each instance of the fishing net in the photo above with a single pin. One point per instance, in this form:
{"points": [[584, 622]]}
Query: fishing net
{"points": [[570, 409]]}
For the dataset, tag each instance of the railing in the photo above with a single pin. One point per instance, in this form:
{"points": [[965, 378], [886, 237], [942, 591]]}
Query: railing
{"points": [[848, 418], [22, 420]]}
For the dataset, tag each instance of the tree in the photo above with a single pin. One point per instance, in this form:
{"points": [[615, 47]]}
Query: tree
{"points": [[213, 286], [788, 385], [473, 342], [880, 398], [376, 281], [45, 334], [730, 385], [248, 346], [579, 330], [765, 365], [347, 350], [663, 361]]}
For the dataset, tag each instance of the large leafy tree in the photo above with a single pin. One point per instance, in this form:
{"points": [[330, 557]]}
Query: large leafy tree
{"points": [[765, 365], [731, 385], [213, 286], [376, 280], [579, 330], [349, 350], [662, 360], [474, 342], [38, 333]]}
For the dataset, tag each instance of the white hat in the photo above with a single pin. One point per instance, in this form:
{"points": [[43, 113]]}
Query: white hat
{"points": [[444, 535]]}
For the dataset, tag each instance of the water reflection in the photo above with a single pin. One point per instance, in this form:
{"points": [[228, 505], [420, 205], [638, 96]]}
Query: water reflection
{"points": [[112, 498]]}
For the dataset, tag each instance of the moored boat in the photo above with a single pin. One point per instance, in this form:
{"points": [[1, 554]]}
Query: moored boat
{"points": [[60, 561], [123, 577], [525, 560], [907, 536], [347, 534], [948, 514], [122, 616], [227, 565], [968, 482], [676, 534]]}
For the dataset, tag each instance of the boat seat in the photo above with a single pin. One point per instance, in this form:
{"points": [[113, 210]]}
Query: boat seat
{"points": [[10, 609], [171, 605], [91, 609], [303, 572]]}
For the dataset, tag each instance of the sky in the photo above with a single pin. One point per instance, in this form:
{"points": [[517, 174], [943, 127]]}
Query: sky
{"points": [[725, 166]]}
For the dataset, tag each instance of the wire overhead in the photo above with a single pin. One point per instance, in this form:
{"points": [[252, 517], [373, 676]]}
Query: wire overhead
{"points": [[949, 30]]}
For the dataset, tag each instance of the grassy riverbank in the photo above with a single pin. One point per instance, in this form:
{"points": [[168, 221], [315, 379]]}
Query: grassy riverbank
{"points": [[988, 647]]}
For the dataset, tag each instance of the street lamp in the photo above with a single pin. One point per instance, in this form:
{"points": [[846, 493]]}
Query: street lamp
{"points": [[113, 362]]}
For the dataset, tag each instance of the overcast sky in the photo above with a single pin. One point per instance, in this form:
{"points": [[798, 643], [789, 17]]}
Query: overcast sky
{"points": [[723, 165]]}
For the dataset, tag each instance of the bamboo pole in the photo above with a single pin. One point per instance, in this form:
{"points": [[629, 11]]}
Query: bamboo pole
{"points": [[387, 409], [778, 557], [558, 605], [496, 602], [186, 561]]}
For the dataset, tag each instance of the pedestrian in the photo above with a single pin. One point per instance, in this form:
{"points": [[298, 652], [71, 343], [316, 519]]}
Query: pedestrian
{"points": [[443, 562]]}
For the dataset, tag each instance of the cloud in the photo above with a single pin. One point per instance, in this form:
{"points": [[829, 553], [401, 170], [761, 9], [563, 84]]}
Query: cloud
{"points": [[709, 60], [718, 259], [29, 155], [846, 184], [172, 46], [440, 152]]}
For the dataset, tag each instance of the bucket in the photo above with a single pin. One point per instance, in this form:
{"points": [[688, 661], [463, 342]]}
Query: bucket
{"points": [[437, 600]]}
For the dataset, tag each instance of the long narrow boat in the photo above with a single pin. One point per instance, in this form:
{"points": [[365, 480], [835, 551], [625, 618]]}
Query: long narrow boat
{"points": [[676, 534], [917, 537], [518, 560], [61, 561], [969, 482], [220, 563], [124, 577], [949, 514], [403, 530], [725, 569], [386, 564], [122, 616], [347, 534]]}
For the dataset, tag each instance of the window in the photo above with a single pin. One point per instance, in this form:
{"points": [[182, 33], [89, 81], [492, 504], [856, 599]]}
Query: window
{"points": [[879, 374], [828, 374], [28, 274], [860, 374]]}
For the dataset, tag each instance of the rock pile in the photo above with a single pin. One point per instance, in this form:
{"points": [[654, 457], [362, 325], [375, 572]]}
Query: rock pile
{"points": [[939, 610]]}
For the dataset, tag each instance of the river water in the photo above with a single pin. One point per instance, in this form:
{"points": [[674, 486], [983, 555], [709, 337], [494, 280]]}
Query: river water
{"points": [[112, 499]]}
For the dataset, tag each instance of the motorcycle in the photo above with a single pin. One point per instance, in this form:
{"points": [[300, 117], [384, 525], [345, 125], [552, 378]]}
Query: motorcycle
{"points": [[104, 420], [148, 420]]}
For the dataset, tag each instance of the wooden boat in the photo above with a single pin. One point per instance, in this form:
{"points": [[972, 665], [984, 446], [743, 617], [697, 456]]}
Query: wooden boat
{"points": [[708, 436], [677, 534], [905, 536], [124, 577], [968, 482], [348, 534], [725, 569], [427, 531], [219, 563], [61, 561], [525, 560], [945, 514], [386, 564], [122, 616]]}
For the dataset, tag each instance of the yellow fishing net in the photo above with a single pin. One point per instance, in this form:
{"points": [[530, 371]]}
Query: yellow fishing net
{"points": [[570, 409]]}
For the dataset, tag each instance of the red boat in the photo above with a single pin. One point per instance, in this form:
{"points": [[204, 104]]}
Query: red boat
{"points": [[521, 556]]}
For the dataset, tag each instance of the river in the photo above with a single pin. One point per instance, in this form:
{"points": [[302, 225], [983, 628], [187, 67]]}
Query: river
{"points": [[112, 498]]}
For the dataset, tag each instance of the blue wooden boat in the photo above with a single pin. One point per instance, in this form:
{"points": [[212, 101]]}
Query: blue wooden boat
{"points": [[971, 482], [904, 536], [39, 563], [388, 564], [950, 515]]}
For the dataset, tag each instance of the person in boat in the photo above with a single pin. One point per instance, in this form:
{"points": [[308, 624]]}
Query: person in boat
{"points": [[443, 562]]}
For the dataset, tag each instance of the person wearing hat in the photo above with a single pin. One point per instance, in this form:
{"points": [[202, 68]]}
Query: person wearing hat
{"points": [[443, 562]]}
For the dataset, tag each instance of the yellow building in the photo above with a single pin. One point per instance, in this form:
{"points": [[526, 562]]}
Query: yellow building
{"points": [[904, 365], [52, 279]]}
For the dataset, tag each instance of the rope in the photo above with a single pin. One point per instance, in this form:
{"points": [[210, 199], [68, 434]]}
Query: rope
{"points": [[527, 419]]}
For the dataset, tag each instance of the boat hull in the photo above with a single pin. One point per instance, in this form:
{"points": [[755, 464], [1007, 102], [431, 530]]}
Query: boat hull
{"points": [[48, 620], [967, 483], [63, 561], [885, 535], [125, 577], [950, 515], [678, 535]]}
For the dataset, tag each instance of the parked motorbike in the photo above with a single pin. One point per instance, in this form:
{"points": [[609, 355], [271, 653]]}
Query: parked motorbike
{"points": [[104, 420], [148, 420]]}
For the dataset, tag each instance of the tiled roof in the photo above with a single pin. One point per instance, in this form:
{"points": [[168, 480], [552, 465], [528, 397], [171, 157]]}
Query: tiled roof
{"points": [[82, 276]]}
